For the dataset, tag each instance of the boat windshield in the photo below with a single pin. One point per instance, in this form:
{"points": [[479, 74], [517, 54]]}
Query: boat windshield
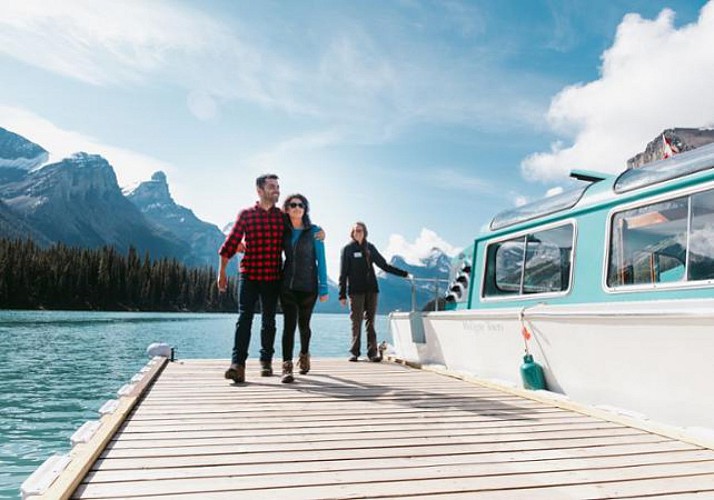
{"points": [[539, 208], [679, 165]]}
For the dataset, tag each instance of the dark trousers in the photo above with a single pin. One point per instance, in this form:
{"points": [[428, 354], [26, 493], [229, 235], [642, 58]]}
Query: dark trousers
{"points": [[297, 311], [363, 305], [250, 292]]}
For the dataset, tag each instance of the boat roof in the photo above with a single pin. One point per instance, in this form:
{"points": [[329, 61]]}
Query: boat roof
{"points": [[605, 187]]}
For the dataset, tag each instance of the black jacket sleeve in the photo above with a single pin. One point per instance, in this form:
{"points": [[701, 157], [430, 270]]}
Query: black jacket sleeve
{"points": [[344, 270], [382, 264]]}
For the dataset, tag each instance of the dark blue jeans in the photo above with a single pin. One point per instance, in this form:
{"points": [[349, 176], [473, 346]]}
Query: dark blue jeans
{"points": [[249, 294]]}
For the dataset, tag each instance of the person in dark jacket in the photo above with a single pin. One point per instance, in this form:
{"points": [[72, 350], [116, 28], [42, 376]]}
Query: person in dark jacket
{"points": [[358, 280], [304, 278]]}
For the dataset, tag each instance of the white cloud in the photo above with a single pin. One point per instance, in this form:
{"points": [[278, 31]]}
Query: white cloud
{"points": [[202, 105], [655, 76], [101, 43], [129, 166], [413, 253], [554, 191], [283, 153], [450, 179], [346, 73], [129, 42], [520, 200]]}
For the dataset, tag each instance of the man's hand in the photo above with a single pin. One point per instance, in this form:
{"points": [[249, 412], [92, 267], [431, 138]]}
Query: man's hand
{"points": [[343, 302], [240, 248], [320, 235], [222, 282], [323, 298]]}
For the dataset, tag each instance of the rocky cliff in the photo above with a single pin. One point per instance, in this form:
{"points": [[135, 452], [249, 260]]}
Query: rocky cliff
{"points": [[18, 156], [154, 200], [672, 140]]}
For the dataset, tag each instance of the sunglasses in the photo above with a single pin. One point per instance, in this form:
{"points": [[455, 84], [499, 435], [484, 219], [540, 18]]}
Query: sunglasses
{"points": [[293, 204]]}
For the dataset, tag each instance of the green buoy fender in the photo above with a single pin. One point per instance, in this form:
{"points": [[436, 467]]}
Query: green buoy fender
{"points": [[532, 374]]}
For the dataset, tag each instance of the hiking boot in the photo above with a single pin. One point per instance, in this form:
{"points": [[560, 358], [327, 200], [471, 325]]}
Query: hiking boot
{"points": [[287, 372], [266, 368], [236, 373], [304, 363], [354, 358]]}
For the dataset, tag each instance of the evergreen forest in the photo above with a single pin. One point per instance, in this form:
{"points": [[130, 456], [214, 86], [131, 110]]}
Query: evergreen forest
{"points": [[81, 279]]}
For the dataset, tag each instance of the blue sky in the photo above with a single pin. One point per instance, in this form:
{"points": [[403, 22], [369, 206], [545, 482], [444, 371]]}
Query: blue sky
{"points": [[422, 119]]}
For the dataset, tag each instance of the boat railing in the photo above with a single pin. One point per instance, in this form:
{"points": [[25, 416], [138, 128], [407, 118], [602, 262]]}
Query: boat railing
{"points": [[435, 282]]}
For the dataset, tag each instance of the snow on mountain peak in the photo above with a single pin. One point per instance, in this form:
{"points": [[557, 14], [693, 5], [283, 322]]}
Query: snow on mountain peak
{"points": [[425, 251], [16, 152]]}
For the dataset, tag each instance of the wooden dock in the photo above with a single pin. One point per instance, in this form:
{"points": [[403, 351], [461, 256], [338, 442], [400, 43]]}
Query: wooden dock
{"points": [[368, 430]]}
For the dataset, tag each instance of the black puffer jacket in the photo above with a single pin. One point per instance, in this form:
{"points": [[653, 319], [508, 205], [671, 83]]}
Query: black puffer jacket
{"points": [[356, 271], [300, 269]]}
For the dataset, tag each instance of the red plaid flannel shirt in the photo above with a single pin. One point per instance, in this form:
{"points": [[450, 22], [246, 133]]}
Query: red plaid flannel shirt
{"points": [[263, 232]]}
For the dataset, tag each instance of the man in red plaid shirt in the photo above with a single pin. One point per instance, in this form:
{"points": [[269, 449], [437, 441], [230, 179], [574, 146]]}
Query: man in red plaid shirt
{"points": [[259, 232]]}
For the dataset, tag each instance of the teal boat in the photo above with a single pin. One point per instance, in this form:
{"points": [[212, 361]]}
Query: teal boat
{"points": [[609, 287]]}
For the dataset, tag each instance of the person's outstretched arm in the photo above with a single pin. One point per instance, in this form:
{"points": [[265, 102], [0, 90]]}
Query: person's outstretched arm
{"points": [[382, 263]]}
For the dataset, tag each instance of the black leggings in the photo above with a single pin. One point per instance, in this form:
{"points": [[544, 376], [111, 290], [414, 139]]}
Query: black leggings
{"points": [[297, 311]]}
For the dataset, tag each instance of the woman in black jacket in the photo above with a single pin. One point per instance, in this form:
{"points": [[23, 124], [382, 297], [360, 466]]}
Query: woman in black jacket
{"points": [[358, 280], [304, 279]]}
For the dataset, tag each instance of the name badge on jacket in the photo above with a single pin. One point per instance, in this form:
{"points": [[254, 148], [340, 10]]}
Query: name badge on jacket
{"points": [[357, 255]]}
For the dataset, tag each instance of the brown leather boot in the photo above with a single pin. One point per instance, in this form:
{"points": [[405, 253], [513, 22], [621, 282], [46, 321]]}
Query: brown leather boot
{"points": [[287, 372], [266, 368], [304, 363], [236, 373]]}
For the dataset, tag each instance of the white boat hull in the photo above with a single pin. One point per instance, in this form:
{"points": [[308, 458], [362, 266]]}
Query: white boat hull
{"points": [[649, 358]]}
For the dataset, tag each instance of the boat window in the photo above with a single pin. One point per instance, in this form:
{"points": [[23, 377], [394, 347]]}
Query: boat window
{"points": [[701, 238], [548, 255], [679, 165], [539, 208], [657, 243], [509, 263], [647, 242], [535, 263]]}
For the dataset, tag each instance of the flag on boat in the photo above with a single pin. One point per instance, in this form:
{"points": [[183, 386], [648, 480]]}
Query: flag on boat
{"points": [[526, 334], [668, 148]]}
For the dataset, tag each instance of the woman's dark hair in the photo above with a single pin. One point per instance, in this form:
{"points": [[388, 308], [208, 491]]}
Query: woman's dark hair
{"points": [[305, 215], [362, 226]]}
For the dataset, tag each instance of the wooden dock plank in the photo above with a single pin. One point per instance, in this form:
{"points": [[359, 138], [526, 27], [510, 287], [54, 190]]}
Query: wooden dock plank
{"points": [[529, 461], [159, 439], [489, 477], [365, 430]]}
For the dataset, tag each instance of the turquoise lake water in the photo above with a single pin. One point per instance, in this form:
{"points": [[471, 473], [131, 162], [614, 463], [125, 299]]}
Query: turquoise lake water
{"points": [[58, 368]]}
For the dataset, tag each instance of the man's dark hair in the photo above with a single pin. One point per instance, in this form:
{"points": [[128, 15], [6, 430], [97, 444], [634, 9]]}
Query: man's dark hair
{"points": [[260, 181]]}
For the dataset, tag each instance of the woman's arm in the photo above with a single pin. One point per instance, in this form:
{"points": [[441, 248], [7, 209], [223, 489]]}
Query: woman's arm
{"points": [[382, 263], [322, 289]]}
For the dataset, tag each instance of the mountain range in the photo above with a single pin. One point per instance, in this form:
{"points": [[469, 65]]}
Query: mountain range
{"points": [[77, 201]]}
